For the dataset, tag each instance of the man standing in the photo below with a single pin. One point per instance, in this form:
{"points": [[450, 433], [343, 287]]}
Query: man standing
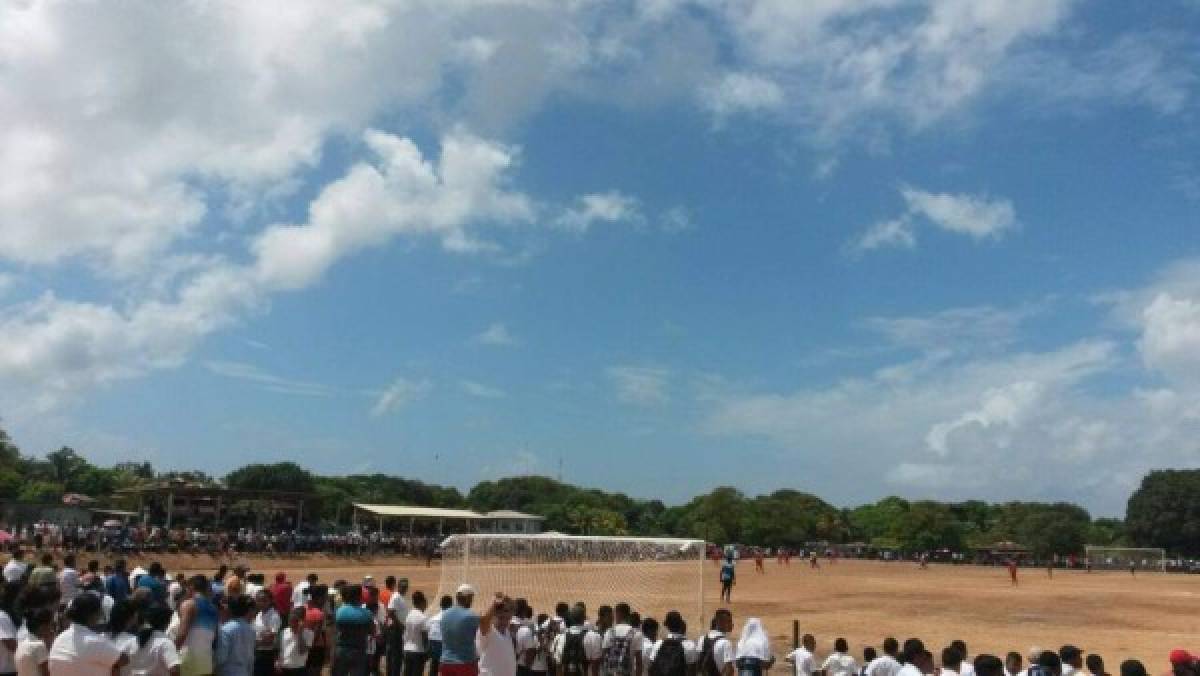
{"points": [[886, 664], [355, 626], [622, 646], [728, 574], [497, 651], [236, 640], [1072, 660], [716, 653], [281, 594], [577, 650], [68, 580], [415, 643], [459, 627], [117, 584], [397, 614], [802, 658], [15, 569]]}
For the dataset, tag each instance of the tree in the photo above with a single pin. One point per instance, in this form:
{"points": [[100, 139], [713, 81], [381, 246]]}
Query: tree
{"points": [[64, 464], [279, 476], [41, 491], [1165, 511], [926, 526]]}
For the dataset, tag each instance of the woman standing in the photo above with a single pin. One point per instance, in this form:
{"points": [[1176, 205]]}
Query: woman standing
{"points": [[753, 656]]}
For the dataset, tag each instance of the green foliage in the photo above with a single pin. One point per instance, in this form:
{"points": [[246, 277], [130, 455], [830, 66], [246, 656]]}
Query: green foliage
{"points": [[1165, 511], [1058, 528], [45, 492], [279, 476], [927, 526]]}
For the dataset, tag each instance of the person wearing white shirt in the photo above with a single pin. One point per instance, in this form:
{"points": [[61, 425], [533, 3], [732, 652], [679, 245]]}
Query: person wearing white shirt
{"points": [[14, 570], [676, 630], [8, 643], [951, 662], [918, 660], [716, 646], [497, 653], [531, 658], [840, 663], [68, 580], [802, 658], [79, 651], [593, 644], [293, 645], [1072, 660], [416, 649], [966, 668], [753, 656], [623, 633], [33, 651], [300, 592], [1013, 664], [122, 621], [156, 654], [886, 664], [433, 634], [267, 625]]}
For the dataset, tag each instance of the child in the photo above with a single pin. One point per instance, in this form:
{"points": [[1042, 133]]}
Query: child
{"points": [[156, 654]]}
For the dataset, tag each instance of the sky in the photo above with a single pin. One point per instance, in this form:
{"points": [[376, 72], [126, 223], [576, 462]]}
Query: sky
{"points": [[927, 248]]}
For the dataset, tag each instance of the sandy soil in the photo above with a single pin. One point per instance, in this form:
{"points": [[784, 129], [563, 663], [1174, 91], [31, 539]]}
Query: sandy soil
{"points": [[1110, 613]]}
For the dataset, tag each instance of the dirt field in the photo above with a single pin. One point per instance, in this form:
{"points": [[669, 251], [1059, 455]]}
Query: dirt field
{"points": [[1109, 613]]}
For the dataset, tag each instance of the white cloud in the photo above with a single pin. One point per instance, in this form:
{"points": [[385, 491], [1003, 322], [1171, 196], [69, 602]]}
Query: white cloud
{"points": [[999, 407], [975, 328], [1170, 340], [977, 216], [476, 389], [266, 380], [640, 385], [742, 93], [607, 207], [400, 393], [676, 219], [897, 232], [7, 282], [496, 335]]}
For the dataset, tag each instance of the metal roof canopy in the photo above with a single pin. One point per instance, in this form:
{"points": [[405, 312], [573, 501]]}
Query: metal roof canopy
{"points": [[409, 511]]}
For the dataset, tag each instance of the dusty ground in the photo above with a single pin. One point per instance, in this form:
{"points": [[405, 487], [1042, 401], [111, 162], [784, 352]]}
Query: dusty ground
{"points": [[1109, 613]]}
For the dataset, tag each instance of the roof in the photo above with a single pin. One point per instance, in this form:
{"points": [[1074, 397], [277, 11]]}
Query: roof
{"points": [[413, 511], [112, 512], [510, 514], [420, 512], [582, 538], [194, 490]]}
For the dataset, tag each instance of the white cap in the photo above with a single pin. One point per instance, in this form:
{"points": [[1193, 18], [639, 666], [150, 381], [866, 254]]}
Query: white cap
{"points": [[465, 589]]}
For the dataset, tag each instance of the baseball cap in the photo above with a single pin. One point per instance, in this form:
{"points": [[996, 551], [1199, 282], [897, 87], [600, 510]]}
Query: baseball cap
{"points": [[465, 589], [1181, 656]]}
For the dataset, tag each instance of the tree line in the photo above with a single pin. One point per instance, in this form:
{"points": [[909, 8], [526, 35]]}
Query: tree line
{"points": [[1163, 512]]}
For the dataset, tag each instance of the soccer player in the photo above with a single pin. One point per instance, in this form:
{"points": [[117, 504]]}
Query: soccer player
{"points": [[1012, 571], [728, 575], [758, 561]]}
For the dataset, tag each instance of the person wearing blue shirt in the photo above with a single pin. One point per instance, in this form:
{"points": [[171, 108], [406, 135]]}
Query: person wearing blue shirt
{"points": [[153, 580], [117, 584], [355, 627], [236, 640], [460, 625]]}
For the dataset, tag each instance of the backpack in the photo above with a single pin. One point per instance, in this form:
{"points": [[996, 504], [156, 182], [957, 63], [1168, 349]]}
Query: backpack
{"points": [[670, 660], [618, 659], [574, 658]]}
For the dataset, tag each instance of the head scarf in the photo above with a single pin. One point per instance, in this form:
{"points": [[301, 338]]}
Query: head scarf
{"points": [[754, 641]]}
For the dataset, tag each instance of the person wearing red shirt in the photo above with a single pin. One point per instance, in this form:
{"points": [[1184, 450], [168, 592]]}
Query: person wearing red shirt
{"points": [[281, 594]]}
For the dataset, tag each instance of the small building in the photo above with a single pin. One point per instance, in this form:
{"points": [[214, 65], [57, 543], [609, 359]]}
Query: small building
{"points": [[177, 503], [508, 521]]}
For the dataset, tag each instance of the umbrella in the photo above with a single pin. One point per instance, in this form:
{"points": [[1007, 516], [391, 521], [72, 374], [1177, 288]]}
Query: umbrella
{"points": [[112, 523], [5, 536]]}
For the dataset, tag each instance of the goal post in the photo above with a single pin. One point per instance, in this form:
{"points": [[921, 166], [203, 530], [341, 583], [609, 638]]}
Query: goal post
{"points": [[653, 575], [1126, 558]]}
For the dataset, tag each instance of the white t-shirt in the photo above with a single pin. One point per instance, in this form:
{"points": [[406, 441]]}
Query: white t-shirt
{"points": [[7, 632], [414, 628], [621, 631], [496, 654], [68, 584], [127, 644], [805, 664], [266, 621], [156, 658], [527, 640], [883, 666], [293, 655], [399, 606], [691, 652], [840, 664], [31, 655], [14, 570], [79, 651], [433, 626], [722, 649], [593, 644], [946, 671], [173, 590], [909, 670], [298, 593], [968, 669]]}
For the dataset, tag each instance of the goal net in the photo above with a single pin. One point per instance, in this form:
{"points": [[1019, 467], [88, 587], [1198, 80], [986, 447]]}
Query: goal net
{"points": [[652, 575], [1125, 558]]}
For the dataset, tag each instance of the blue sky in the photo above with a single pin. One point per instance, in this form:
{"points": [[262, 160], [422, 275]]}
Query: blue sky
{"points": [[925, 248]]}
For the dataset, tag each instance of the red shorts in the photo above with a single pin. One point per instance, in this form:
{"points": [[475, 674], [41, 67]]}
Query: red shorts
{"points": [[471, 669]]}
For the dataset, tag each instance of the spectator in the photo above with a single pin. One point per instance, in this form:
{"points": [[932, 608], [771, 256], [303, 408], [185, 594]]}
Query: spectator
{"points": [[315, 621], [294, 645], [753, 656], [281, 594], [965, 666], [80, 651], [198, 624], [355, 627], [497, 652], [433, 634], [267, 625], [117, 584], [1013, 664], [156, 654], [840, 662], [16, 568], [802, 658], [236, 639], [33, 650], [68, 580], [577, 650], [122, 622], [1072, 659], [1133, 668], [415, 647], [1095, 665], [459, 627], [622, 645], [988, 665], [716, 652], [397, 617], [951, 661], [886, 664]]}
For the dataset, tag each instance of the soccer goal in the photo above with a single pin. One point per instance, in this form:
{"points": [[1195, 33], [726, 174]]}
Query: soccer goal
{"points": [[652, 575], [1126, 558]]}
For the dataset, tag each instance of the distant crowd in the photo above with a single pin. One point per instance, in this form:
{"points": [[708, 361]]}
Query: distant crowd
{"points": [[132, 540], [63, 620]]}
